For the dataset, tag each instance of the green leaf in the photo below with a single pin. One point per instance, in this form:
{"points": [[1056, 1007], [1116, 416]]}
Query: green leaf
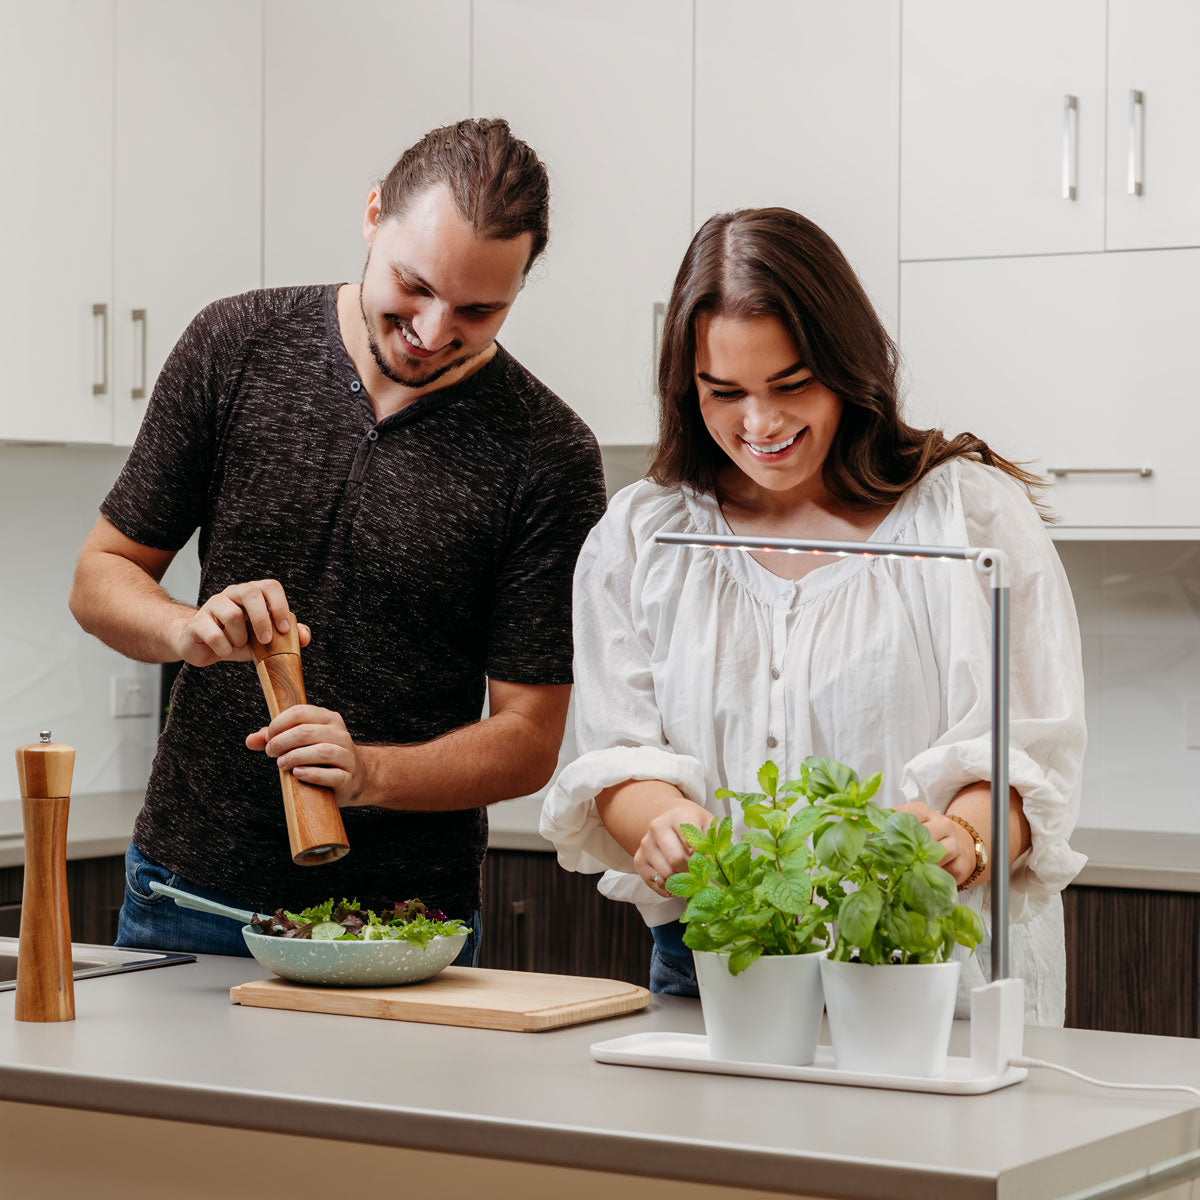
{"points": [[684, 884], [704, 905], [859, 914], [723, 838], [840, 845], [827, 777], [755, 816], [786, 893], [701, 867], [800, 827], [760, 840], [743, 957], [694, 837], [904, 929], [903, 829], [736, 862], [869, 787], [928, 889], [965, 925], [768, 778]]}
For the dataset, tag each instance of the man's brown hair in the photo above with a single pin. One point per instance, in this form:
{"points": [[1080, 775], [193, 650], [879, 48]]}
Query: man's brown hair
{"points": [[499, 184]]}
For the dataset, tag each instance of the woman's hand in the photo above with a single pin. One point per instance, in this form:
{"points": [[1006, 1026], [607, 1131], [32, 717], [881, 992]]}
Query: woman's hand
{"points": [[959, 859], [220, 630], [315, 745], [663, 849]]}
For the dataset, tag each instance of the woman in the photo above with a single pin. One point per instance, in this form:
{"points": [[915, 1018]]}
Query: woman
{"points": [[779, 416]]}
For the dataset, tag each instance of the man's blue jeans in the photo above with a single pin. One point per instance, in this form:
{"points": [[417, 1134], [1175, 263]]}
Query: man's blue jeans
{"points": [[152, 921]]}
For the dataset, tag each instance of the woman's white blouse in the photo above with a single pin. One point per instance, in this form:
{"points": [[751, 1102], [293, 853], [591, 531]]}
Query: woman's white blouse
{"points": [[695, 666]]}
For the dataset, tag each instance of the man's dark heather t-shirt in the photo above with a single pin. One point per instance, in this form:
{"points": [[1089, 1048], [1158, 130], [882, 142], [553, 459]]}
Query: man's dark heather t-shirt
{"points": [[425, 552]]}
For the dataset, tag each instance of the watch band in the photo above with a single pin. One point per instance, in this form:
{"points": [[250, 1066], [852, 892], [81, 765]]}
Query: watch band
{"points": [[981, 854]]}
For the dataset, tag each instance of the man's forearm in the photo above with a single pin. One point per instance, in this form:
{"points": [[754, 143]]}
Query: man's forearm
{"points": [[498, 758], [116, 601]]}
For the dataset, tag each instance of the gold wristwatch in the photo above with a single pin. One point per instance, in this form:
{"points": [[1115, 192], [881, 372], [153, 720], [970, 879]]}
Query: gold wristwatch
{"points": [[981, 854]]}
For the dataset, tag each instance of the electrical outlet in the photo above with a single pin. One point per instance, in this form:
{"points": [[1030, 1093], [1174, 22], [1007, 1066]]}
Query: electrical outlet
{"points": [[131, 696]]}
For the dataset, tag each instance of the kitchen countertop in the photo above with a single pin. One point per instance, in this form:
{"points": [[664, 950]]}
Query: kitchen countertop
{"points": [[100, 825], [168, 1044]]}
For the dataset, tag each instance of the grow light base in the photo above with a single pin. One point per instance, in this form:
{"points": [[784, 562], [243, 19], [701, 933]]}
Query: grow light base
{"points": [[689, 1052]]}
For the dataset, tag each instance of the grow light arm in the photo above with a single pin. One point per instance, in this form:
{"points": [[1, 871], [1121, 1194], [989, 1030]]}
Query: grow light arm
{"points": [[987, 561]]}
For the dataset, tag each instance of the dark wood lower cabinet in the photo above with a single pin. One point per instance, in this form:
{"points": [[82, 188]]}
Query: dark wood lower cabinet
{"points": [[538, 917], [1133, 956], [95, 888], [1133, 960]]}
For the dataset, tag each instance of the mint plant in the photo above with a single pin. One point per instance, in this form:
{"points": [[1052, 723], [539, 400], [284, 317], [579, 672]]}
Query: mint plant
{"points": [[840, 858], [754, 897], [903, 906]]}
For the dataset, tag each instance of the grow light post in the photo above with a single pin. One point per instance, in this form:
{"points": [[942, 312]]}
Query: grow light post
{"points": [[989, 562]]}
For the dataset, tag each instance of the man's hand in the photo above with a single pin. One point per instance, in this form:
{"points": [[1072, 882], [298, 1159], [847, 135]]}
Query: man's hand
{"points": [[664, 850], [960, 845], [315, 745], [221, 630]]}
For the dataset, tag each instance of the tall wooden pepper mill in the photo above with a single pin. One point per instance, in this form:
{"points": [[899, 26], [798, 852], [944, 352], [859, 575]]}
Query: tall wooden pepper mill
{"points": [[314, 822], [45, 987]]}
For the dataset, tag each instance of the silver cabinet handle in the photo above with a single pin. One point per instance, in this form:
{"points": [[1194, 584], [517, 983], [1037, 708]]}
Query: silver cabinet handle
{"points": [[138, 391], [100, 328], [1137, 125], [1060, 472], [1070, 147], [660, 319]]}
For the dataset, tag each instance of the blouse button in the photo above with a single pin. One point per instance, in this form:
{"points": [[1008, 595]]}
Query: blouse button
{"points": [[355, 386], [373, 435], [774, 672], [772, 742]]}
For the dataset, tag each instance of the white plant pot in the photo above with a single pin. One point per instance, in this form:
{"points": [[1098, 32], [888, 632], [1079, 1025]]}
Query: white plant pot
{"points": [[770, 1013], [892, 1019]]}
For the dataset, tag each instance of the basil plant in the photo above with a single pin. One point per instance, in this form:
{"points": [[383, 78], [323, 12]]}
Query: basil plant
{"points": [[817, 851]]}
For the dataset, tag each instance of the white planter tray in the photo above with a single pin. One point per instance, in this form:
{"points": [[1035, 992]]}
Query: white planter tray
{"points": [[689, 1052]]}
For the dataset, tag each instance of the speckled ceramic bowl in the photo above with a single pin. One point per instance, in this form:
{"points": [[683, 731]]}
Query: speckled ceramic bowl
{"points": [[352, 964], [381, 963]]}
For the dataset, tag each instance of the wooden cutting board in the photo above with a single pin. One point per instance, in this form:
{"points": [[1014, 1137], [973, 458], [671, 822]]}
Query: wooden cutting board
{"points": [[473, 996]]}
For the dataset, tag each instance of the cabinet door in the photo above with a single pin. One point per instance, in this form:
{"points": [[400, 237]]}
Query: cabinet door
{"points": [[987, 135], [1076, 363], [56, 78], [603, 93], [348, 88], [797, 105], [1152, 47], [188, 178]]}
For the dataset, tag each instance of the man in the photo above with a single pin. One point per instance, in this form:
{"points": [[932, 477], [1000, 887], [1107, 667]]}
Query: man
{"points": [[369, 457]]}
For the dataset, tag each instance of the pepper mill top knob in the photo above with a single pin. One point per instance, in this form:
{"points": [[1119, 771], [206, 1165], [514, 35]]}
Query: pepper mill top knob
{"points": [[44, 768]]}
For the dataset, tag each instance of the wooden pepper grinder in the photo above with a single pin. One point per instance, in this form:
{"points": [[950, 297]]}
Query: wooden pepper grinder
{"points": [[45, 986], [314, 822]]}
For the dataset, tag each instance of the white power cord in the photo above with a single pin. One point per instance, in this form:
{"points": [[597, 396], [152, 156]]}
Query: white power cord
{"points": [[1134, 1087]]}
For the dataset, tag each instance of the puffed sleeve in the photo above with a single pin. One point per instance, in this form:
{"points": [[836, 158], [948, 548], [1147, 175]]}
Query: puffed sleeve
{"points": [[618, 729], [979, 506]]}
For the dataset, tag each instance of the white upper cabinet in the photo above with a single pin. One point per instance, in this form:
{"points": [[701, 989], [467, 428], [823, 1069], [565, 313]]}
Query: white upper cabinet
{"points": [[797, 104], [349, 87], [56, 79], [1003, 130], [1153, 123], [1073, 363], [188, 212], [603, 93]]}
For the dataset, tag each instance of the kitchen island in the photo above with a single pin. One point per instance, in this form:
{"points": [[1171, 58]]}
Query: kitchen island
{"points": [[162, 1086]]}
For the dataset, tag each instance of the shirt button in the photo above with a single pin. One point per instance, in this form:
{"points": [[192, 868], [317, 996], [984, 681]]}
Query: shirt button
{"points": [[373, 435], [356, 386], [774, 672], [772, 742]]}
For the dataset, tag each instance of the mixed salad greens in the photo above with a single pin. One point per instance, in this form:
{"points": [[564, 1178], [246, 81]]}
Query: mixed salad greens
{"points": [[346, 921]]}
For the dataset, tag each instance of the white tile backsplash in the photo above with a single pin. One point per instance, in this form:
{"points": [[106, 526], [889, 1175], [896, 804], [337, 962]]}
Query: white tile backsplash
{"points": [[53, 675], [1138, 603]]}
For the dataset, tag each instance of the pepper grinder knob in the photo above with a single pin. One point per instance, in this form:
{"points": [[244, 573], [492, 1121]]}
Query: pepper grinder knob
{"points": [[45, 987]]}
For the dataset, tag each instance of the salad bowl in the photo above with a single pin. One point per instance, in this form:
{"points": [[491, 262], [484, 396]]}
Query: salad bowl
{"points": [[381, 962]]}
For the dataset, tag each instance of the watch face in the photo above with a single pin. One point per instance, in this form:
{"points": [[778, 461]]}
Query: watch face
{"points": [[981, 854]]}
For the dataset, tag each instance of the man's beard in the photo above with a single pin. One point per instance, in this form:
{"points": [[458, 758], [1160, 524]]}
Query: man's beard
{"points": [[386, 369]]}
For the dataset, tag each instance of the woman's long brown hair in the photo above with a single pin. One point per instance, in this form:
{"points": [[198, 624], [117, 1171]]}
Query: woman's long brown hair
{"points": [[774, 262]]}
